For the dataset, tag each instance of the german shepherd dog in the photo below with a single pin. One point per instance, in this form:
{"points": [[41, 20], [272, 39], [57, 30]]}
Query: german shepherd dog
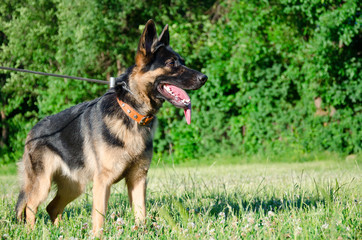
{"points": [[106, 139]]}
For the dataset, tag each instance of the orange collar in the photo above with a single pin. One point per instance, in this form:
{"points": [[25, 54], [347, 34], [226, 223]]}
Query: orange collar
{"points": [[140, 119]]}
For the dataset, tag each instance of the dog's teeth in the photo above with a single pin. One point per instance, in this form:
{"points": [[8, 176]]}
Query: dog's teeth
{"points": [[177, 97], [184, 101], [167, 88]]}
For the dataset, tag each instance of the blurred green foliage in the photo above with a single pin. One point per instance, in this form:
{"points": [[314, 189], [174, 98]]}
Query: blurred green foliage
{"points": [[282, 74]]}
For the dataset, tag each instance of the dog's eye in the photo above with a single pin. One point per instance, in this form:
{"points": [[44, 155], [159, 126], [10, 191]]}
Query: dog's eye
{"points": [[171, 63]]}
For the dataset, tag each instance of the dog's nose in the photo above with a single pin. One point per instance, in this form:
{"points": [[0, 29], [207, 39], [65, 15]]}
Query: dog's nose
{"points": [[202, 78]]}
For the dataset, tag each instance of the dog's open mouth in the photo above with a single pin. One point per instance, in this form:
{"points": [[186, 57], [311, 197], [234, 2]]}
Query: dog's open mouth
{"points": [[178, 97]]}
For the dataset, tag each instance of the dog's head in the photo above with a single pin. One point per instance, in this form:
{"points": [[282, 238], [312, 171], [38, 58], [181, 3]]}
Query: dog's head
{"points": [[160, 73]]}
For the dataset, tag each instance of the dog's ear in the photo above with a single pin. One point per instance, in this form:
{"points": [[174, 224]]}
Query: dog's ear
{"points": [[148, 37], [164, 36]]}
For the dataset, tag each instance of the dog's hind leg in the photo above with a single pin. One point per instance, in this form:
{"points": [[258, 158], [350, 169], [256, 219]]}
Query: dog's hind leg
{"points": [[36, 182], [35, 197], [67, 191]]}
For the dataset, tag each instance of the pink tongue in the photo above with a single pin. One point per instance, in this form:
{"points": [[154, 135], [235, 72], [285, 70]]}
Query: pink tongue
{"points": [[182, 95], [187, 112]]}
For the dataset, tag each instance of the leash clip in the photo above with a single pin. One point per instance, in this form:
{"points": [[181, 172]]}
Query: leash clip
{"points": [[120, 81]]}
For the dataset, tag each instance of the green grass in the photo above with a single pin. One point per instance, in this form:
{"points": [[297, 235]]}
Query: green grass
{"points": [[307, 200]]}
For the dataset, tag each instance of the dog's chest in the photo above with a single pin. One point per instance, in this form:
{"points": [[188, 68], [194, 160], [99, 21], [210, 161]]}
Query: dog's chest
{"points": [[137, 143], [133, 149], [133, 141]]}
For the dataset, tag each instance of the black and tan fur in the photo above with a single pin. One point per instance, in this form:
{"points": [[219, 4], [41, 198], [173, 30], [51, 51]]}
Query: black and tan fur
{"points": [[96, 141]]}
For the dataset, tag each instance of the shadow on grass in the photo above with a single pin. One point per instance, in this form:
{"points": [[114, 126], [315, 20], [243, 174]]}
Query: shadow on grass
{"points": [[238, 206], [260, 205], [234, 204], [83, 207]]}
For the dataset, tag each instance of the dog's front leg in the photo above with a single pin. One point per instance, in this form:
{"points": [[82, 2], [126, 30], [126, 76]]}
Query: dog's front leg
{"points": [[136, 184], [101, 191]]}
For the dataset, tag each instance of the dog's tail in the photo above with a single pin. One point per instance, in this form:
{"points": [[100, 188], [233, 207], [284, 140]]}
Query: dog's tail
{"points": [[20, 205], [25, 183]]}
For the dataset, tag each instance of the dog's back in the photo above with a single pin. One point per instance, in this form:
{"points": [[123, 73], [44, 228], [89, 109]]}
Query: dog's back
{"points": [[64, 133]]}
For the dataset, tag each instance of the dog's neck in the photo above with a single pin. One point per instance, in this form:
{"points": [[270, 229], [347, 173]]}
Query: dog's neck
{"points": [[128, 91]]}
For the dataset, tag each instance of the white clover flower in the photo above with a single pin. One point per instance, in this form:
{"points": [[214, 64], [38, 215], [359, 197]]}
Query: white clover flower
{"points": [[266, 223], [246, 229], [84, 226], [298, 230], [271, 214], [296, 221], [325, 226], [222, 214], [120, 221], [156, 226], [191, 225], [250, 219]]}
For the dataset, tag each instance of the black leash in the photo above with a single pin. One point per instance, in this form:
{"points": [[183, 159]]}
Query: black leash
{"points": [[55, 75]]}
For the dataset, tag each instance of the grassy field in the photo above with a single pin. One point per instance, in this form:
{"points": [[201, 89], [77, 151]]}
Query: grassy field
{"points": [[310, 200]]}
